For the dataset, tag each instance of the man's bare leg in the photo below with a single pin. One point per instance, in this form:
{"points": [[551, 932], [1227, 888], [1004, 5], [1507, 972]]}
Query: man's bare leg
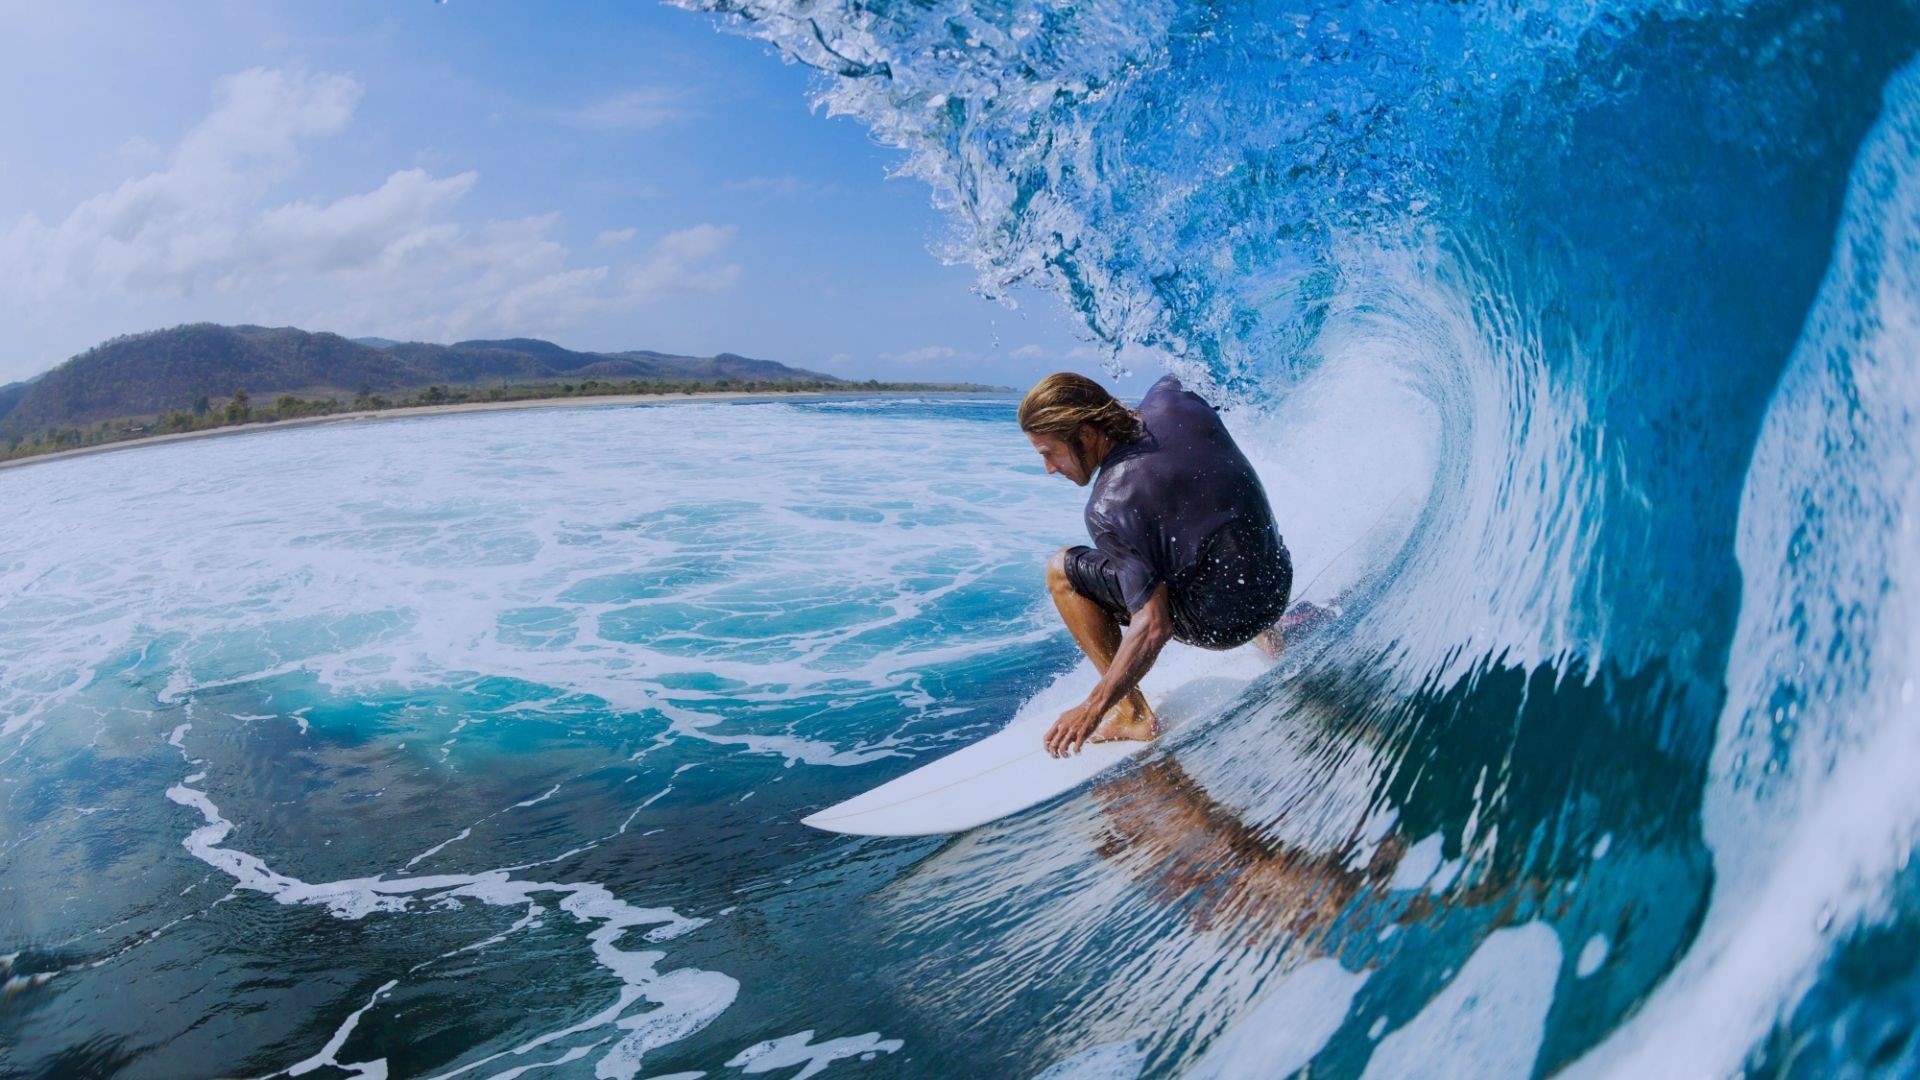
{"points": [[1098, 633]]}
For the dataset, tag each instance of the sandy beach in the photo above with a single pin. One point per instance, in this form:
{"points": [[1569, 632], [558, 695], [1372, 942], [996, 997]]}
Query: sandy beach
{"points": [[470, 406]]}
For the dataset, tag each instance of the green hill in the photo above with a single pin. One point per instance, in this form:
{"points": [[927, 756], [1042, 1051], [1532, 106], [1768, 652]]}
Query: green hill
{"points": [[164, 370], [11, 394]]}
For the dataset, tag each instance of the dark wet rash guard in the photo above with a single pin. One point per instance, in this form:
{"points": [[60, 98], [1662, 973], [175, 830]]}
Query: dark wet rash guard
{"points": [[1156, 502]]}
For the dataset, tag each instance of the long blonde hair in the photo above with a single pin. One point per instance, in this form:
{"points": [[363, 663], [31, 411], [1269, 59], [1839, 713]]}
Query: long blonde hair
{"points": [[1058, 404]]}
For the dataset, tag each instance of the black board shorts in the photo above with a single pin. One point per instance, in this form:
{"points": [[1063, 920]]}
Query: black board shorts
{"points": [[1238, 587]]}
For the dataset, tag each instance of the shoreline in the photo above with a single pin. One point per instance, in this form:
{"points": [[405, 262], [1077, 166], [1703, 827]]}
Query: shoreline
{"points": [[415, 411]]}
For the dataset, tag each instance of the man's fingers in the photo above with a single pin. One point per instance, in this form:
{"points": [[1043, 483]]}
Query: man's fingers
{"points": [[1060, 737], [1071, 732]]}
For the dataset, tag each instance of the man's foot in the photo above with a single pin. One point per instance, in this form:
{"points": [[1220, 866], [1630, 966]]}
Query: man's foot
{"points": [[1301, 620], [1127, 722], [1270, 642], [1304, 617]]}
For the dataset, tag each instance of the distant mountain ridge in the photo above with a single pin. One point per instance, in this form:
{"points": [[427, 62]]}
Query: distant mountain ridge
{"points": [[11, 394], [163, 370]]}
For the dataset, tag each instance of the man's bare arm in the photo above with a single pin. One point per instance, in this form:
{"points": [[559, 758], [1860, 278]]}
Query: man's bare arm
{"points": [[1149, 632]]}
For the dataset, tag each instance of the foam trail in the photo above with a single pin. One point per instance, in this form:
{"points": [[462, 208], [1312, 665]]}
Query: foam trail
{"points": [[328, 1055], [537, 800], [437, 848], [687, 999], [800, 1049]]}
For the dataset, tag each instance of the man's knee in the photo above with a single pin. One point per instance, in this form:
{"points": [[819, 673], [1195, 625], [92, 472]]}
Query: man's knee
{"points": [[1057, 580]]}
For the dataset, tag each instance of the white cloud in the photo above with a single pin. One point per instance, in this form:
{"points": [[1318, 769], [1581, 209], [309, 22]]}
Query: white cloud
{"points": [[616, 237], [394, 260], [926, 354], [1079, 355], [634, 110], [137, 148], [389, 225], [684, 261], [180, 229], [510, 276], [784, 186]]}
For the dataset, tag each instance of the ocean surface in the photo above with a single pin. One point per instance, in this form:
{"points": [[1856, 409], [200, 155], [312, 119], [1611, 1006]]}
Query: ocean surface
{"points": [[1575, 344]]}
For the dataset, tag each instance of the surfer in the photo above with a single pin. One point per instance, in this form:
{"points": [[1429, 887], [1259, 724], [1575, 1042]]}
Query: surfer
{"points": [[1184, 543]]}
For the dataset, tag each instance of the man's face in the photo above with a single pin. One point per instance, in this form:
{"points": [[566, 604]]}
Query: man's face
{"points": [[1060, 457]]}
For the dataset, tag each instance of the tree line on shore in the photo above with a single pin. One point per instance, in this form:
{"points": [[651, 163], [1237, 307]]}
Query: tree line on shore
{"points": [[207, 413]]}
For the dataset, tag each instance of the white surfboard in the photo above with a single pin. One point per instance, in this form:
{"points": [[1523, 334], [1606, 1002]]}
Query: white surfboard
{"points": [[1010, 770]]}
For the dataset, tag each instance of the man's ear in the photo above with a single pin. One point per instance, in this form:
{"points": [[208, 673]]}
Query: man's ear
{"points": [[1084, 439], [1077, 442]]}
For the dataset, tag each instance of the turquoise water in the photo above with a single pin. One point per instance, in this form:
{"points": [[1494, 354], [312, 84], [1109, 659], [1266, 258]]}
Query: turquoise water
{"points": [[485, 734]]}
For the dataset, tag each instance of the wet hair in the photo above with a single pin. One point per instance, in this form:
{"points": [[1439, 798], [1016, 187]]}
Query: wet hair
{"points": [[1058, 404]]}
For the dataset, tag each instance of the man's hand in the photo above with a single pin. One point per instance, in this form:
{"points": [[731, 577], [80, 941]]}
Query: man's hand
{"points": [[1073, 729]]}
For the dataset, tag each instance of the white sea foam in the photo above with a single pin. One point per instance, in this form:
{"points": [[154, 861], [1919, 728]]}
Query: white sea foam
{"points": [[537, 800], [686, 999], [1282, 1031], [1418, 865], [800, 1049], [329, 1054], [1489, 1020], [815, 555], [1120, 1060], [814, 559], [1592, 955], [439, 847], [572, 1055]]}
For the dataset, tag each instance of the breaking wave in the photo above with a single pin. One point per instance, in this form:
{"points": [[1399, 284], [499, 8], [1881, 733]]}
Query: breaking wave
{"points": [[1591, 325]]}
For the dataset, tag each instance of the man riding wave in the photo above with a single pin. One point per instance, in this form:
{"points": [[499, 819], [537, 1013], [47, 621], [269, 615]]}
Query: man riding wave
{"points": [[1184, 543]]}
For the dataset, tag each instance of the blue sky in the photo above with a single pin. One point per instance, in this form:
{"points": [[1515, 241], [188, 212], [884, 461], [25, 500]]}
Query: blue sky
{"points": [[606, 175]]}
